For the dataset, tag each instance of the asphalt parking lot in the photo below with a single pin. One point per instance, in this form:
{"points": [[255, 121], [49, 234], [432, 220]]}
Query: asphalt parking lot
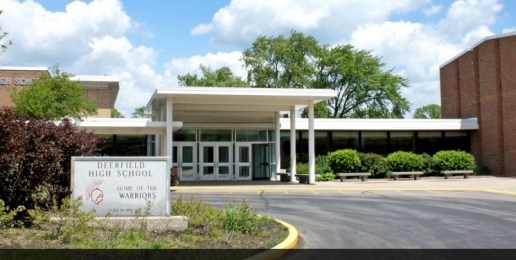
{"points": [[458, 214]]}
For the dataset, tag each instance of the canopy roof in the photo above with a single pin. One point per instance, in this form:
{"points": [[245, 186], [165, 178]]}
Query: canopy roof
{"points": [[233, 105]]}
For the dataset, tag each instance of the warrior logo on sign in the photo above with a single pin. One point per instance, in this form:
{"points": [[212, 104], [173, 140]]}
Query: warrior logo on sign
{"points": [[94, 193]]}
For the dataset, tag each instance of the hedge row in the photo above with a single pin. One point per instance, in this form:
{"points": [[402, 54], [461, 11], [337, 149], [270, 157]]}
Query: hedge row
{"points": [[349, 160]]}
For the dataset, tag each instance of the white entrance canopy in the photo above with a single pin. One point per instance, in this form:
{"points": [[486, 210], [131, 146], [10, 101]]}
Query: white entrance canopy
{"points": [[214, 107]]}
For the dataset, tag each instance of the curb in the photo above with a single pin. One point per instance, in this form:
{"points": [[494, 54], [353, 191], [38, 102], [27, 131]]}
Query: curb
{"points": [[282, 248]]}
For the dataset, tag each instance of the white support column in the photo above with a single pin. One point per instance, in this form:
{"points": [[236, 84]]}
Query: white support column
{"points": [[311, 143], [277, 143], [170, 131], [292, 143]]}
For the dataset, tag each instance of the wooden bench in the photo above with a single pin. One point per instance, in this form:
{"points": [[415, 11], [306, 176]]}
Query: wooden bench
{"points": [[361, 175], [457, 172], [303, 178], [415, 175]]}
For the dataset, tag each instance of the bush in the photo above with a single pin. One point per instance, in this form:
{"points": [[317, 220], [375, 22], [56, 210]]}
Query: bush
{"points": [[405, 161], [7, 216], [35, 159], [325, 177], [200, 214], [321, 165], [302, 168], [375, 164], [454, 160], [240, 218], [429, 167], [345, 160], [482, 170]]}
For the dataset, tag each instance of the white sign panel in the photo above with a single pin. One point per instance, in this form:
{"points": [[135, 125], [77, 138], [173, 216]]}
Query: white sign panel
{"points": [[121, 185]]}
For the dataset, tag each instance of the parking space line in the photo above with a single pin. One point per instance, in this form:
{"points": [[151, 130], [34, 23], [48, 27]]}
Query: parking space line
{"points": [[285, 192], [314, 192]]}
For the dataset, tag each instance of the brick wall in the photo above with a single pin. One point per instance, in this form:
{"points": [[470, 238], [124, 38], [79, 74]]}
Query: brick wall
{"points": [[482, 83], [11, 76]]}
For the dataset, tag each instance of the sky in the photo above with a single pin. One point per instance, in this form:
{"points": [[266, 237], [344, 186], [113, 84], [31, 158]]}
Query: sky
{"points": [[146, 44]]}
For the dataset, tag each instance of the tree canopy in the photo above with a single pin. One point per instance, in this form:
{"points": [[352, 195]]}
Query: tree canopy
{"points": [[116, 114], [365, 89], [139, 112], [222, 77], [431, 111], [53, 96]]}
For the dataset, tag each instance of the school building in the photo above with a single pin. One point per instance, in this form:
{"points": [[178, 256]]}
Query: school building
{"points": [[242, 133]]}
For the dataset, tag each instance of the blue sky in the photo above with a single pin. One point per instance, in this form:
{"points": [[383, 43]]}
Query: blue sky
{"points": [[146, 44]]}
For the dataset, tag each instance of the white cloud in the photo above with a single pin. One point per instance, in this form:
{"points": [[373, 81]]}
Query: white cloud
{"points": [[241, 21], [508, 30], [434, 9], [180, 66], [87, 38]]}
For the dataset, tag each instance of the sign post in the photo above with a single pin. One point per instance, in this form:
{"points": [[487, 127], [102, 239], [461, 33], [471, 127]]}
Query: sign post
{"points": [[122, 185]]}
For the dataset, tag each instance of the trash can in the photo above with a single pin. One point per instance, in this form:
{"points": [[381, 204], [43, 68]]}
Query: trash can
{"points": [[174, 178]]}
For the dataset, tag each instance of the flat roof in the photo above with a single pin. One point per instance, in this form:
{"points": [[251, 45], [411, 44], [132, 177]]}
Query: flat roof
{"points": [[384, 124], [23, 68], [497, 36], [130, 126], [233, 105]]}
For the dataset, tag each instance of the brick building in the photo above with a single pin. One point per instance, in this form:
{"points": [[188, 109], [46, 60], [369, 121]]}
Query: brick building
{"points": [[481, 82], [102, 90]]}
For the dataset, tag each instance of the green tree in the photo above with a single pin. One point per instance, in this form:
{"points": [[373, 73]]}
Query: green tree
{"points": [[428, 112], [279, 62], [364, 89], [139, 112], [222, 77], [3, 44], [53, 96], [116, 114]]}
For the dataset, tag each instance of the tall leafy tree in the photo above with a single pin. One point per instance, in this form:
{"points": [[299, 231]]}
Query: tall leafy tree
{"points": [[4, 44], [280, 62], [53, 96], [430, 111], [139, 112], [222, 77], [116, 114], [364, 89]]}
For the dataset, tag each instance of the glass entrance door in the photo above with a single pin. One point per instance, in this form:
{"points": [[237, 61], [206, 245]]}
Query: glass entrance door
{"points": [[185, 158], [243, 162], [216, 161]]}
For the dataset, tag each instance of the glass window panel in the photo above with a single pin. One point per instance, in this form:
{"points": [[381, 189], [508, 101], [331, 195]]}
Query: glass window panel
{"points": [[223, 154], [185, 135], [187, 171], [216, 135], [272, 135], [342, 140], [243, 154], [429, 142], [187, 154], [207, 170], [262, 135], [208, 156], [252, 135], [375, 142], [241, 135], [243, 171], [174, 154], [401, 141], [223, 170]]}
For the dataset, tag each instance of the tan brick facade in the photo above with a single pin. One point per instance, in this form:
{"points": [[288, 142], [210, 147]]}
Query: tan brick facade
{"points": [[102, 94], [11, 80], [481, 83]]}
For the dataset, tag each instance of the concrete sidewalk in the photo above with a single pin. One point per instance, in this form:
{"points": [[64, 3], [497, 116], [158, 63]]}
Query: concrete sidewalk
{"points": [[475, 183]]}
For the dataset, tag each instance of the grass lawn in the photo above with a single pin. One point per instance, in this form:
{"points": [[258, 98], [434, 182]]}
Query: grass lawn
{"points": [[235, 226]]}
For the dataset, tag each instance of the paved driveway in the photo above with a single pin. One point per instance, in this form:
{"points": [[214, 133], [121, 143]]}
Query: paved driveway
{"points": [[369, 216]]}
